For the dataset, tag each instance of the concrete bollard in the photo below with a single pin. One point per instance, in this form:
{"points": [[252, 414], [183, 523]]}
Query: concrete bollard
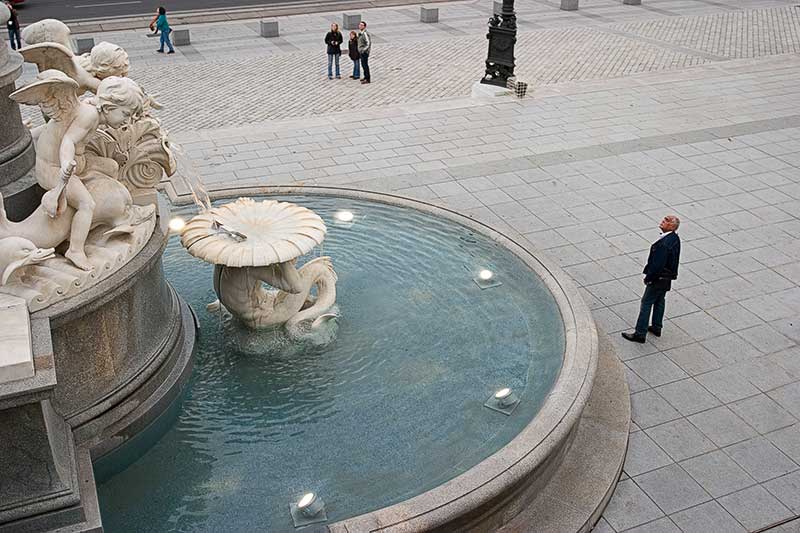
{"points": [[498, 8], [569, 5], [428, 14], [181, 38], [632, 2], [350, 21], [84, 44], [269, 28]]}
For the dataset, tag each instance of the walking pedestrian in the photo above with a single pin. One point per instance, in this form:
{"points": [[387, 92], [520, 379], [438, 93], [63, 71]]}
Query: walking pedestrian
{"points": [[13, 27], [160, 24], [352, 47], [660, 270], [364, 49], [334, 41]]}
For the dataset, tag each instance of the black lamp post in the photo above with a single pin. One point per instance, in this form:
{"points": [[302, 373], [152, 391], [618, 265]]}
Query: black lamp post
{"points": [[502, 36]]}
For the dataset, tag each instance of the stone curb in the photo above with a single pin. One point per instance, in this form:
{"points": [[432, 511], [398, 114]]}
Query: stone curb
{"points": [[183, 18]]}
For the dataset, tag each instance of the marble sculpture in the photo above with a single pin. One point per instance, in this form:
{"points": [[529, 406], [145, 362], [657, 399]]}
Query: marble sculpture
{"points": [[251, 243], [88, 70], [97, 157]]}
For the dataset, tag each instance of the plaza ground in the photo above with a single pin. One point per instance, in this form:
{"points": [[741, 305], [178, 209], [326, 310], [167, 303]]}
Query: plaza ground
{"points": [[676, 106]]}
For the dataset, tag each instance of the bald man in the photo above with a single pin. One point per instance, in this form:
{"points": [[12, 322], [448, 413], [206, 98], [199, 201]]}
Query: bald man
{"points": [[660, 270]]}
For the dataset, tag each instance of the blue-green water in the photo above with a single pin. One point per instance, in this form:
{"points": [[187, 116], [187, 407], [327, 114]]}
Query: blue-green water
{"points": [[392, 408]]}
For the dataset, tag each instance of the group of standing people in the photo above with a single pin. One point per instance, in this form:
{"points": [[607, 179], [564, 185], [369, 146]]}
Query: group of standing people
{"points": [[358, 47], [13, 27]]}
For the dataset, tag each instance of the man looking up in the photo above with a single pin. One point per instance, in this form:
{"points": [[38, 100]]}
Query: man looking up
{"points": [[660, 270]]}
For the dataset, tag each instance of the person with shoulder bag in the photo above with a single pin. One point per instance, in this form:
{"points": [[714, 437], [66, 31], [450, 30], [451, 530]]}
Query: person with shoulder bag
{"points": [[159, 23], [334, 41], [13, 27]]}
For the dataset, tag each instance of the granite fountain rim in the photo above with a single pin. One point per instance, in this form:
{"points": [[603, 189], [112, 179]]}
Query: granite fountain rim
{"points": [[499, 476]]}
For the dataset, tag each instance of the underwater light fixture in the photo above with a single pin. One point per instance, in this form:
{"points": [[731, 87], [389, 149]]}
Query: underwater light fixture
{"points": [[345, 216], [310, 509], [176, 224], [503, 401], [486, 279]]}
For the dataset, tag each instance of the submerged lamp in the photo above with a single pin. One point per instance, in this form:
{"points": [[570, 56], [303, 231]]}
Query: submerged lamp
{"points": [[176, 224], [310, 509], [503, 401], [486, 279], [345, 216]]}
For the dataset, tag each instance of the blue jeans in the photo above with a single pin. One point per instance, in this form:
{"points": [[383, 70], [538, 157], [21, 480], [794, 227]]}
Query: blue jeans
{"points": [[165, 40], [330, 63], [356, 68], [653, 299], [13, 35]]}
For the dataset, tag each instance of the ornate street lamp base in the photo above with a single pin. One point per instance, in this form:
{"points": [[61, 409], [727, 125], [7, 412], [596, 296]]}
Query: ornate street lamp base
{"points": [[502, 37]]}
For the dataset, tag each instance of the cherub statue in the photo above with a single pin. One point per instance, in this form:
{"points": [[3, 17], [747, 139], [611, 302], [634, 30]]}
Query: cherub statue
{"points": [[62, 164], [105, 60], [47, 31]]}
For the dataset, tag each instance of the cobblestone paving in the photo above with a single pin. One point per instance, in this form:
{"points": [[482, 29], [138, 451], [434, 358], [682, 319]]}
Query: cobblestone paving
{"points": [[405, 73], [736, 34], [261, 79]]}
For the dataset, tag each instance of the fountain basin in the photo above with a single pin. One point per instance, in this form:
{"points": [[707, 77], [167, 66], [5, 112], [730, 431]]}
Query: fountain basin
{"points": [[479, 486]]}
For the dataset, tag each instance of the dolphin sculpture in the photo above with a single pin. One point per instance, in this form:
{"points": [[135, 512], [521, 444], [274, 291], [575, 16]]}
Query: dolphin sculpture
{"points": [[17, 252]]}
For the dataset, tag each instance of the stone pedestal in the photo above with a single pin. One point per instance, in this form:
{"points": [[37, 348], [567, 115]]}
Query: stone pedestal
{"points": [[84, 44], [350, 21], [17, 155], [632, 2], [569, 5], [269, 28], [181, 38], [428, 14]]}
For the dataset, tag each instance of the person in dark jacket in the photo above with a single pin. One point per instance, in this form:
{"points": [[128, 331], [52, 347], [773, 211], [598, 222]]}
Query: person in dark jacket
{"points": [[13, 27], [660, 270], [334, 41], [352, 47]]}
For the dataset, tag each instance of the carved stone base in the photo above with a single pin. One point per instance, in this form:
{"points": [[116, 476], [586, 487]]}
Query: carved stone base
{"points": [[56, 279]]}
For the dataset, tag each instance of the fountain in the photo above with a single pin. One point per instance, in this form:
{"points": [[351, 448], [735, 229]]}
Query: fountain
{"points": [[443, 378], [253, 242]]}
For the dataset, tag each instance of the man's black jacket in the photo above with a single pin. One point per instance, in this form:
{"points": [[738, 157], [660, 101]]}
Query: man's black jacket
{"points": [[662, 263]]}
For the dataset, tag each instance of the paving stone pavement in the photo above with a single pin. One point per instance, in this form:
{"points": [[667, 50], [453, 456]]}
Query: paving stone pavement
{"points": [[268, 79], [679, 106]]}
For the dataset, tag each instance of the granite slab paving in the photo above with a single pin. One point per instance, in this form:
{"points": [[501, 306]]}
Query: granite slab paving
{"points": [[675, 106]]}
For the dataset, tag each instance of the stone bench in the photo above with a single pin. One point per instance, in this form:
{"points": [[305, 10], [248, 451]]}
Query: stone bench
{"points": [[632, 2], [569, 5], [181, 38], [84, 44], [269, 28], [428, 14], [350, 21], [16, 355]]}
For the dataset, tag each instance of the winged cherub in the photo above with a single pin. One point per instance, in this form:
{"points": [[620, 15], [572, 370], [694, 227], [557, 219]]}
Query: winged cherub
{"points": [[105, 60], [61, 162]]}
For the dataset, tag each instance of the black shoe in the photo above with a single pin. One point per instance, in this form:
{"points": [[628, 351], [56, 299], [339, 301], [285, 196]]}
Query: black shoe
{"points": [[160, 51], [655, 331], [364, 81], [353, 78], [171, 52], [633, 337]]}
